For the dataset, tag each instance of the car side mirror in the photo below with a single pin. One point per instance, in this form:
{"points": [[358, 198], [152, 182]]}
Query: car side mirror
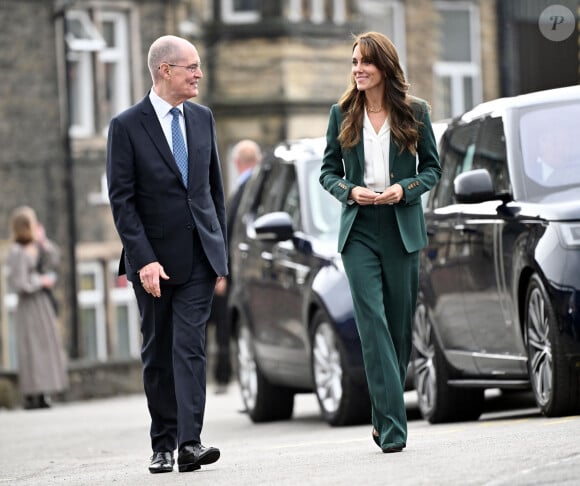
{"points": [[276, 226], [474, 186]]}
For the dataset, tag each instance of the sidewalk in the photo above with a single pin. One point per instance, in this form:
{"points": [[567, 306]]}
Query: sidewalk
{"points": [[95, 442]]}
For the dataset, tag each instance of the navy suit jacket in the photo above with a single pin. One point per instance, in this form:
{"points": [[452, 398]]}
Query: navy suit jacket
{"points": [[155, 214]]}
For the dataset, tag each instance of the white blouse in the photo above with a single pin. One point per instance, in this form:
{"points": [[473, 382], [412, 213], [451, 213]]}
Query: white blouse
{"points": [[376, 146]]}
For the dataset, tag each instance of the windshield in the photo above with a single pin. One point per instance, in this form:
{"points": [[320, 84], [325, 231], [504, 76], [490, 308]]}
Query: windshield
{"points": [[550, 148], [324, 209]]}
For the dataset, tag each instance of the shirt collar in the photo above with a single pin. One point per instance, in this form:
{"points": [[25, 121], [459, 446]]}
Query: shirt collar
{"points": [[161, 106], [369, 126]]}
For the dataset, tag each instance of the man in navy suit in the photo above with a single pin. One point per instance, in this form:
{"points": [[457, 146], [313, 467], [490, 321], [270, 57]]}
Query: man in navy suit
{"points": [[172, 225]]}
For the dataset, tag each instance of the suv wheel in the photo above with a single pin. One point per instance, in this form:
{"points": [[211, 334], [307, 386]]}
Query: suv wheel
{"points": [[263, 401], [438, 402], [341, 400], [554, 384]]}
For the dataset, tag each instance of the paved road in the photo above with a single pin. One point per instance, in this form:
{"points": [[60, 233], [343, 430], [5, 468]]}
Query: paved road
{"points": [[104, 442]]}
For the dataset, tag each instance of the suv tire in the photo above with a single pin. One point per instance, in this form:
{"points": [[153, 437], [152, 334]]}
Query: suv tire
{"points": [[554, 383], [439, 402], [342, 401], [263, 401]]}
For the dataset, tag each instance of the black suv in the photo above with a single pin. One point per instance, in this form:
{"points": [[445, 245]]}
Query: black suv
{"points": [[499, 301], [290, 301]]}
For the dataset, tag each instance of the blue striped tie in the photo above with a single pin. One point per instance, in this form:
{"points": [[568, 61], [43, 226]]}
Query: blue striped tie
{"points": [[179, 150]]}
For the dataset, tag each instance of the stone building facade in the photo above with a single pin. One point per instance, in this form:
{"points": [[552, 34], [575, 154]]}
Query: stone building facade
{"points": [[272, 69]]}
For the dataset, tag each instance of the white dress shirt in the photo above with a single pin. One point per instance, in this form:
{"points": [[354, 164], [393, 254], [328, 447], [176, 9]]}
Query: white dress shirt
{"points": [[162, 109], [376, 148]]}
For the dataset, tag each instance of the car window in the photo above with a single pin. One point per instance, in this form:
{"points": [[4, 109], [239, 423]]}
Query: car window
{"points": [[292, 203], [457, 156], [490, 153], [275, 188], [550, 148], [324, 208]]}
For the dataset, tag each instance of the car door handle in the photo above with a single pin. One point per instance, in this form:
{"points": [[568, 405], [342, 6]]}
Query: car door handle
{"points": [[244, 249], [267, 257], [464, 229]]}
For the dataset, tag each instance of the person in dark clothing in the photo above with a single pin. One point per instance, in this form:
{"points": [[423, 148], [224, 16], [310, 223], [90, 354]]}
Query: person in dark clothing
{"points": [[168, 204], [246, 154]]}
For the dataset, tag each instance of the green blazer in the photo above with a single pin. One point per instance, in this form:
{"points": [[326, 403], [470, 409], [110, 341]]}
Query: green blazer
{"points": [[343, 170]]}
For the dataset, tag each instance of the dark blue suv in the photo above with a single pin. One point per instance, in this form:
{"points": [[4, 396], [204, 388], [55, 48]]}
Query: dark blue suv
{"points": [[290, 301], [499, 300]]}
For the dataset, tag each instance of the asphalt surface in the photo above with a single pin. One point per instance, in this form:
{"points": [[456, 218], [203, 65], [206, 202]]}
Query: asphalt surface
{"points": [[105, 442]]}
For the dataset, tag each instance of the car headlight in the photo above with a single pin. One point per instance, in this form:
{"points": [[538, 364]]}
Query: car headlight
{"points": [[569, 234]]}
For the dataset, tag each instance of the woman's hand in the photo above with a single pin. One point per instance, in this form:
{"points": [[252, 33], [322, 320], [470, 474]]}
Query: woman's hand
{"points": [[363, 195], [391, 195], [47, 280]]}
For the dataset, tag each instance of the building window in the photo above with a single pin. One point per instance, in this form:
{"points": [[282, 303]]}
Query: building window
{"points": [[9, 347], [91, 295], [98, 49], [457, 71], [102, 196], [125, 317], [82, 35], [240, 11], [113, 57], [317, 11], [386, 17]]}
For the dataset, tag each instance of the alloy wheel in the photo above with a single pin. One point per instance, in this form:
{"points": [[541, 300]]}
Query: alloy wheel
{"points": [[327, 368], [424, 373], [539, 347], [247, 368]]}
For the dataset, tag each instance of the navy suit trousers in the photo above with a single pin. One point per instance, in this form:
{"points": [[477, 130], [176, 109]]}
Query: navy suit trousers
{"points": [[173, 354]]}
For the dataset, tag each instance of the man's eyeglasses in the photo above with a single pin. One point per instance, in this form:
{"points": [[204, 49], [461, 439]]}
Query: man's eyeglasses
{"points": [[191, 68]]}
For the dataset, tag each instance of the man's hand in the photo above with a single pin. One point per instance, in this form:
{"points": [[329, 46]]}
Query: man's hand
{"points": [[221, 286], [150, 275]]}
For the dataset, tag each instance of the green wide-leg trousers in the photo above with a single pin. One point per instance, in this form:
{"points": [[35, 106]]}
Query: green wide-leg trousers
{"points": [[383, 280]]}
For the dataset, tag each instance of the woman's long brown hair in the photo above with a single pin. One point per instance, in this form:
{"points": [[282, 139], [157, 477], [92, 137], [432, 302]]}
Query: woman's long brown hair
{"points": [[380, 51]]}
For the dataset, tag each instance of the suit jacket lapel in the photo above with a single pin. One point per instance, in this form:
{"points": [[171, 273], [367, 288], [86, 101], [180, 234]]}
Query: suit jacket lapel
{"points": [[153, 128]]}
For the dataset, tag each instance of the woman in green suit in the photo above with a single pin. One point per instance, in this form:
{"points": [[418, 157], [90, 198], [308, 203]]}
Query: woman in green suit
{"points": [[380, 156]]}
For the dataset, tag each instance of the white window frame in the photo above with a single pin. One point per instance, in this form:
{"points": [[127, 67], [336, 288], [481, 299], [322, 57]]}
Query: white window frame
{"points": [[9, 345], [232, 16], [85, 52], [93, 41], [95, 299], [376, 9], [102, 197], [118, 55], [316, 11], [457, 72], [294, 10], [85, 125], [126, 296], [339, 12]]}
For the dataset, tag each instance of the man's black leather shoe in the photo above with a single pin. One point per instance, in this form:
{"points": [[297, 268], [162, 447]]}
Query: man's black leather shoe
{"points": [[192, 456], [161, 462]]}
